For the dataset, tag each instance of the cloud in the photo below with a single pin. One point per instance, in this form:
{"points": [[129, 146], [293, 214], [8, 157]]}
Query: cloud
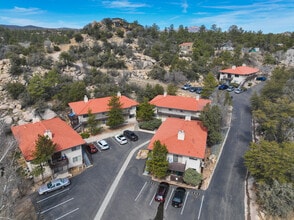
{"points": [[184, 6], [23, 11], [123, 4]]}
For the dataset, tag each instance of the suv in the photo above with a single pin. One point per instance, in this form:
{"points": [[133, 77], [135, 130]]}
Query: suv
{"points": [[178, 197], [162, 191], [130, 135]]}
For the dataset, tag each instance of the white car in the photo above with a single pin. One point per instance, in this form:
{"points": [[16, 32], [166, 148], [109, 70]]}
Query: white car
{"points": [[103, 145], [54, 185], [121, 139]]}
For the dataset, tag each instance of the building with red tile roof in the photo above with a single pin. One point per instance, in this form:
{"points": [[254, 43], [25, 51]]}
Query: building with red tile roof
{"points": [[178, 106], [68, 142], [185, 141], [99, 107], [238, 74], [186, 48]]}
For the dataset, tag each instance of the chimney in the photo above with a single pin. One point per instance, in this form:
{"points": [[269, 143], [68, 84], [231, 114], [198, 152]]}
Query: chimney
{"points": [[181, 135], [197, 97], [86, 98], [188, 118], [118, 94], [233, 67], [48, 134], [165, 94], [243, 64]]}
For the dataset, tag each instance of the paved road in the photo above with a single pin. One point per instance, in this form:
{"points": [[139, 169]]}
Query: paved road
{"points": [[225, 196]]}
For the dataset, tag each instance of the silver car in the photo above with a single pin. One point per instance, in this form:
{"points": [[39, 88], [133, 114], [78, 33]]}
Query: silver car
{"points": [[54, 185], [103, 145], [121, 139]]}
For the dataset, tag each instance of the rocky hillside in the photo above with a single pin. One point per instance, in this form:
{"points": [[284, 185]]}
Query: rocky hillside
{"points": [[137, 64]]}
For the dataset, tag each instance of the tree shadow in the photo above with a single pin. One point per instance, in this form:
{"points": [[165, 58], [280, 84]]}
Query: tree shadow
{"points": [[160, 210]]}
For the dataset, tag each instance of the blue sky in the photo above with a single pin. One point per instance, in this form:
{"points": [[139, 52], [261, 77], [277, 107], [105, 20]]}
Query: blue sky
{"points": [[271, 16]]}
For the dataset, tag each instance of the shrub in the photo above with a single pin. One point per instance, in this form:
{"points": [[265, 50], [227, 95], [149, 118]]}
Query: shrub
{"points": [[85, 135], [150, 125], [192, 177]]}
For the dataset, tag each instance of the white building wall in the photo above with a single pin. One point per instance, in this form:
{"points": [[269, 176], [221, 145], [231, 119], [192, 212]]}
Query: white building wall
{"points": [[74, 156], [190, 163], [235, 79]]}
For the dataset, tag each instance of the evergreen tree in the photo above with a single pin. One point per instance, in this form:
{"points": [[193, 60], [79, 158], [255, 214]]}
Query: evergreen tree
{"points": [[115, 114], [145, 111], [211, 118], [157, 163], [192, 177], [45, 148], [209, 85]]}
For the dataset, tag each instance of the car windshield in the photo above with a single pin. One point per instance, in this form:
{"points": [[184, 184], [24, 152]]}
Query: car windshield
{"points": [[49, 185], [176, 199]]}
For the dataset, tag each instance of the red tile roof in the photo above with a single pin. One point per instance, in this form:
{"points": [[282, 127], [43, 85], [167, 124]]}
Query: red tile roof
{"points": [[62, 134], [179, 102], [241, 70], [186, 44], [194, 143], [99, 105]]}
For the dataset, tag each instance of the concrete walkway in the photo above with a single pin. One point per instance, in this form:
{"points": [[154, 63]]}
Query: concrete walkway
{"points": [[115, 183]]}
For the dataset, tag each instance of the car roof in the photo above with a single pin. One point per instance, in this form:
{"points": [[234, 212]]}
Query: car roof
{"points": [[102, 141]]}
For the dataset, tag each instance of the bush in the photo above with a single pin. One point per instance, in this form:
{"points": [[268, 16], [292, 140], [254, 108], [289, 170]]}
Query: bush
{"points": [[85, 135], [150, 125], [192, 177]]}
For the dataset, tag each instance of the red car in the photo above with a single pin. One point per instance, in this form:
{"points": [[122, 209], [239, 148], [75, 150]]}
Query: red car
{"points": [[162, 191], [91, 148]]}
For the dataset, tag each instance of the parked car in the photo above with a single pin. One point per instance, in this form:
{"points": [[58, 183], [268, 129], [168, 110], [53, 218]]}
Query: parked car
{"points": [[186, 87], [162, 191], [239, 90], [193, 89], [103, 145], [230, 89], [91, 148], [199, 90], [178, 197], [54, 185], [223, 87], [121, 139], [130, 135], [261, 78]]}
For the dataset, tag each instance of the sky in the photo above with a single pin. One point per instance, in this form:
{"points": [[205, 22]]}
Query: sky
{"points": [[268, 16]]}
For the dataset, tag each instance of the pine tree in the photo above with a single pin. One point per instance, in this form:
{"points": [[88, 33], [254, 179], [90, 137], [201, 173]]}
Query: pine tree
{"points": [[115, 114]]}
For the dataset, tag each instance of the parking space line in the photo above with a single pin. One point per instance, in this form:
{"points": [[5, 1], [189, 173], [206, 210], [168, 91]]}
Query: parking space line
{"points": [[47, 210], [183, 207], [169, 199], [152, 199], [42, 200], [140, 191], [67, 213], [200, 207]]}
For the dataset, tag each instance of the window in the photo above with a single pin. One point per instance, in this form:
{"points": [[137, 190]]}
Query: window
{"points": [[85, 116], [74, 148], [76, 159], [175, 158], [236, 75]]}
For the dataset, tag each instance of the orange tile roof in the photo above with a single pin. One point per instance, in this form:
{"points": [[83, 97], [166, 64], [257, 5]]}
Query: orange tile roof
{"points": [[179, 102], [240, 70], [62, 134], [99, 105], [194, 143], [186, 44]]}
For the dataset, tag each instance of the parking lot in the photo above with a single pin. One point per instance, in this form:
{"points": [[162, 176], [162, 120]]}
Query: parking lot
{"points": [[133, 198]]}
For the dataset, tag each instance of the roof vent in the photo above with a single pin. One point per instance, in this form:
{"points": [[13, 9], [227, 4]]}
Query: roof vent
{"points": [[233, 67], [181, 135], [48, 134], [86, 99]]}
